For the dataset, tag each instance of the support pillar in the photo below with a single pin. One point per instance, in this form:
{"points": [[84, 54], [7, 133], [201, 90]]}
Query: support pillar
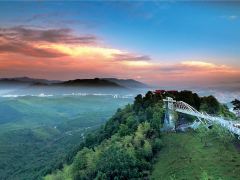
{"points": [[169, 123]]}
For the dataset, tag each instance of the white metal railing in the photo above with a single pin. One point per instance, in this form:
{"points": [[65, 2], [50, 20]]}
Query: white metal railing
{"points": [[185, 108]]}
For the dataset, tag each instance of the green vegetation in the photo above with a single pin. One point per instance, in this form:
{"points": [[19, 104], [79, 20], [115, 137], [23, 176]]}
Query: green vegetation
{"points": [[186, 156], [65, 138], [236, 107], [124, 148], [236, 104], [211, 105], [127, 146], [38, 134]]}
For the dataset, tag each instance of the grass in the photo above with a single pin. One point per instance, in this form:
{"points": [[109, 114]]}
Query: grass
{"points": [[184, 157]]}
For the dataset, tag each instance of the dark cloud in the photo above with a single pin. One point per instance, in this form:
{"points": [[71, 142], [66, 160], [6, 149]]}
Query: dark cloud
{"points": [[131, 57], [23, 40], [46, 35]]}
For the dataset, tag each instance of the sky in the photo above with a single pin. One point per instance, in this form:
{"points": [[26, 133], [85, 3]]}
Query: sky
{"points": [[159, 43]]}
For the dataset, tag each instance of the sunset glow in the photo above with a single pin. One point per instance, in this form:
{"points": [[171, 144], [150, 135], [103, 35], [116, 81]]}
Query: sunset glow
{"points": [[82, 51], [199, 64], [42, 45]]}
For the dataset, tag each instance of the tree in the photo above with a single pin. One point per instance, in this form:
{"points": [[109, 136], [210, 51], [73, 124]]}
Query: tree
{"points": [[189, 97], [210, 105], [147, 149], [123, 130], [156, 120], [138, 103], [117, 162], [158, 113], [148, 100], [236, 106], [132, 123]]}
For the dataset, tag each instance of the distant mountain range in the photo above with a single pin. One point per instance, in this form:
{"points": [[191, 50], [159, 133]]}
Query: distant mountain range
{"points": [[96, 82], [27, 80]]}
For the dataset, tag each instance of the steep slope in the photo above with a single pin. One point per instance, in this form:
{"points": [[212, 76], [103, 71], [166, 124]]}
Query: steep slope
{"points": [[123, 148], [128, 145], [184, 156]]}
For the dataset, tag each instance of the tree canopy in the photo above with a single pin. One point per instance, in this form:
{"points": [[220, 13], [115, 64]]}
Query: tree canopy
{"points": [[126, 146], [236, 104]]}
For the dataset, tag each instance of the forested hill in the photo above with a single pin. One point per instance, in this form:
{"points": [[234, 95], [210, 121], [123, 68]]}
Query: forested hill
{"points": [[126, 147], [91, 83], [96, 82]]}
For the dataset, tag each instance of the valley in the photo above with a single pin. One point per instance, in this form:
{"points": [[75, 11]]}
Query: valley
{"points": [[37, 134]]}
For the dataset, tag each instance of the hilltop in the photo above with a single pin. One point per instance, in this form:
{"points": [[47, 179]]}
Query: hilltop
{"points": [[131, 146], [96, 82]]}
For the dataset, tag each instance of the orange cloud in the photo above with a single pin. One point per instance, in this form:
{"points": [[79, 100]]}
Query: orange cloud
{"points": [[100, 63], [59, 54], [81, 51], [198, 64], [193, 72], [137, 63]]}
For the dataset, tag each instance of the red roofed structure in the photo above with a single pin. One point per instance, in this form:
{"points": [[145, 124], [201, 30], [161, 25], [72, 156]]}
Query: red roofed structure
{"points": [[159, 91], [164, 91]]}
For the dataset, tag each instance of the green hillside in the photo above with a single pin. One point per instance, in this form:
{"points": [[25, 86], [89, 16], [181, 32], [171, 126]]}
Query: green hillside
{"points": [[184, 156], [39, 134], [131, 146]]}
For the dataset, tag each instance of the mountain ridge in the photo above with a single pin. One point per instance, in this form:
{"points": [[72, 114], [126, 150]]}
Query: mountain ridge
{"points": [[95, 82]]}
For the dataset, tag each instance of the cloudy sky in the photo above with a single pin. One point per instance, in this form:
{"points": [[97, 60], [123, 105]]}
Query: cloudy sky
{"points": [[159, 43]]}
